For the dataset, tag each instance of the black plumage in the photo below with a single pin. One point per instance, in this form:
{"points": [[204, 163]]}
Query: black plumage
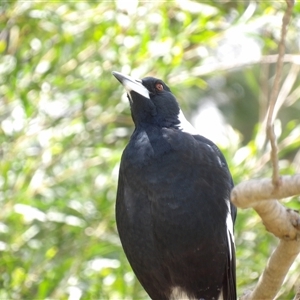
{"points": [[173, 212]]}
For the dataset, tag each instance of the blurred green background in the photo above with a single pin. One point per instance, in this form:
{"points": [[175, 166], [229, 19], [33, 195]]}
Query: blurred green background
{"points": [[64, 121]]}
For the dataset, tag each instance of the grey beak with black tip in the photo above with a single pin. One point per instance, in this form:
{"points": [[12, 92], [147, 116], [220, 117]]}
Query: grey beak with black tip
{"points": [[132, 84]]}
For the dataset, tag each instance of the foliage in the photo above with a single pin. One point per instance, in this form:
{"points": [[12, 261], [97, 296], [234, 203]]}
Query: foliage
{"points": [[64, 123]]}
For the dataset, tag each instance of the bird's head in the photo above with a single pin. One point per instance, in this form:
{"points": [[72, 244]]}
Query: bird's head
{"points": [[151, 101]]}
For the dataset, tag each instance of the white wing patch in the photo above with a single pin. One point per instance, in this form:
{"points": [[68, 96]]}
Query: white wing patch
{"points": [[215, 153], [229, 225], [185, 125]]}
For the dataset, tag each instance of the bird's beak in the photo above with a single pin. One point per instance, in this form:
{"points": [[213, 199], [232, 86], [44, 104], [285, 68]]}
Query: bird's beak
{"points": [[132, 84]]}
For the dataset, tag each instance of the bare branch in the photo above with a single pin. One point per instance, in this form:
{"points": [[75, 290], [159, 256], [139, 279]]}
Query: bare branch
{"points": [[274, 94], [247, 193]]}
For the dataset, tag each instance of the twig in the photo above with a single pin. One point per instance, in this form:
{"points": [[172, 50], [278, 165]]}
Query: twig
{"points": [[274, 94]]}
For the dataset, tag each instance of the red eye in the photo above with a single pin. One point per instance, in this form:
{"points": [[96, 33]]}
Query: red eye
{"points": [[159, 86]]}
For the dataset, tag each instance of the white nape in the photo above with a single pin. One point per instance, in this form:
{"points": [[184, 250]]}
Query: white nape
{"points": [[209, 122], [185, 125]]}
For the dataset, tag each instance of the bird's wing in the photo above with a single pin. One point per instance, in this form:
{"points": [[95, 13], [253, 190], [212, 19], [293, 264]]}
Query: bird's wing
{"points": [[223, 164], [229, 283], [149, 219]]}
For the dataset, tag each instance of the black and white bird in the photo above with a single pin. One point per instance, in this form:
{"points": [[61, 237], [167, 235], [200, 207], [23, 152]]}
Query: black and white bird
{"points": [[173, 212]]}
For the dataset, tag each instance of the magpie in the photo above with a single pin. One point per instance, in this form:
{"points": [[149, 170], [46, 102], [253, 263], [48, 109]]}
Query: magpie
{"points": [[173, 210]]}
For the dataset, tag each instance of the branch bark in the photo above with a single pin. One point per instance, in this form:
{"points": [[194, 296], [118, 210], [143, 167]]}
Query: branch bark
{"points": [[282, 222]]}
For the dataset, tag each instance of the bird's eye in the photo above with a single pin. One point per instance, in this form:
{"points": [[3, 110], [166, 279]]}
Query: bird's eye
{"points": [[159, 86]]}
